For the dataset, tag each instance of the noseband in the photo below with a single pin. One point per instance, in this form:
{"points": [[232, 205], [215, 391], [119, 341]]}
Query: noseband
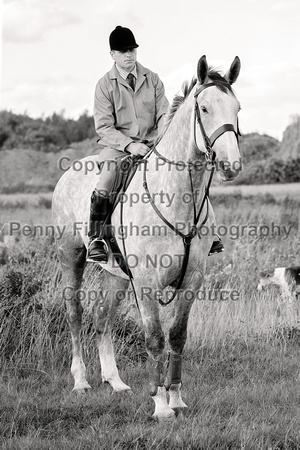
{"points": [[209, 142]]}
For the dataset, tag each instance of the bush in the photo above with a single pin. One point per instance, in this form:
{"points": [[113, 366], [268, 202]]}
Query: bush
{"points": [[49, 135], [272, 170]]}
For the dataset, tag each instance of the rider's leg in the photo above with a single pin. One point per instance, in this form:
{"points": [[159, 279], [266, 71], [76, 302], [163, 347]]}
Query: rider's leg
{"points": [[100, 205]]}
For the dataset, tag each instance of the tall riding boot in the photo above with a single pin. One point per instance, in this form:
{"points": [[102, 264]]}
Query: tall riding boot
{"points": [[217, 247], [99, 209]]}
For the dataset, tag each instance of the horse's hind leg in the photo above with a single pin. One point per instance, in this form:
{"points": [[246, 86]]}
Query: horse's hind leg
{"points": [[104, 313], [72, 256]]}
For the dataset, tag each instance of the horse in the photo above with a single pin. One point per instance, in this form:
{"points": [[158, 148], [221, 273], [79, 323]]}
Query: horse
{"points": [[165, 245]]}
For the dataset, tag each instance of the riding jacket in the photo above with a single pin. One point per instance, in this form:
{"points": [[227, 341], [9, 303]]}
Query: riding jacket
{"points": [[122, 115]]}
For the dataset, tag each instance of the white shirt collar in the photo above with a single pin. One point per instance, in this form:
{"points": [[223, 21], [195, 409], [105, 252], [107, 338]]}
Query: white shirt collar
{"points": [[124, 73]]}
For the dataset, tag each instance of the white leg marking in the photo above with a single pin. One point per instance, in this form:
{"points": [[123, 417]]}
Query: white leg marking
{"points": [[78, 372], [162, 409], [109, 368], [176, 401]]}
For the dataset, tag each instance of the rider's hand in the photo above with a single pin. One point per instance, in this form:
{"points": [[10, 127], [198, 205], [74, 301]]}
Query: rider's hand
{"points": [[137, 148]]}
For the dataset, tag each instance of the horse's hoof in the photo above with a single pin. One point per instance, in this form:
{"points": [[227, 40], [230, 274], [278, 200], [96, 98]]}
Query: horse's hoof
{"points": [[180, 412], [81, 389], [119, 386], [164, 419], [81, 392], [164, 416]]}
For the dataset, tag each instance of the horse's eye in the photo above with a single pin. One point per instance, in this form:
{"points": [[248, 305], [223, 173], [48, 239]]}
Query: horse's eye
{"points": [[203, 109]]}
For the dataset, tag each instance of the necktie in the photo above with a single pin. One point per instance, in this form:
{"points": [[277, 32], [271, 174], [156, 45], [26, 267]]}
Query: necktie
{"points": [[131, 80]]}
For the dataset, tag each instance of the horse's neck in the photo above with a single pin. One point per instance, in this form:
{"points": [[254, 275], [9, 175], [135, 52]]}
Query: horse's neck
{"points": [[173, 180]]}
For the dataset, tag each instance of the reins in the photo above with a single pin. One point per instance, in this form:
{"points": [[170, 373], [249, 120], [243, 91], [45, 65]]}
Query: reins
{"points": [[186, 238], [210, 155]]}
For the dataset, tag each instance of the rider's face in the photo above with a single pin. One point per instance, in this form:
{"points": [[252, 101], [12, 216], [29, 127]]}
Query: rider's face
{"points": [[125, 59]]}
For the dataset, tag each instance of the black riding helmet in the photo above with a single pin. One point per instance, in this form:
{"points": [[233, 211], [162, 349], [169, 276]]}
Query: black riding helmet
{"points": [[122, 38]]}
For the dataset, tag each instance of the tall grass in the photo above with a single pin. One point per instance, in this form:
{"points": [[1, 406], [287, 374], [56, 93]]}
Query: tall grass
{"points": [[240, 366], [32, 306]]}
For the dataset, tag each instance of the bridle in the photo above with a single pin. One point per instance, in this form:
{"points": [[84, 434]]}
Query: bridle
{"points": [[209, 156], [209, 142]]}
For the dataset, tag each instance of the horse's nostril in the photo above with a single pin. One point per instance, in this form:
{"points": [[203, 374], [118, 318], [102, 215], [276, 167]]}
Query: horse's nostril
{"points": [[228, 174], [228, 167]]}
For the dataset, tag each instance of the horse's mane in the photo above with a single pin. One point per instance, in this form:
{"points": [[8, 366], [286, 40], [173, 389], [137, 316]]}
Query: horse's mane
{"points": [[213, 75]]}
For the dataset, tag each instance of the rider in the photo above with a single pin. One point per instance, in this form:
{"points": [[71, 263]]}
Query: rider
{"points": [[129, 108]]}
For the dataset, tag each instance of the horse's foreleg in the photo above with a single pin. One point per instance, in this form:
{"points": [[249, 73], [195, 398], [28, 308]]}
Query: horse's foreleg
{"points": [[177, 339], [73, 262], [104, 313], [173, 381], [158, 391], [155, 343]]}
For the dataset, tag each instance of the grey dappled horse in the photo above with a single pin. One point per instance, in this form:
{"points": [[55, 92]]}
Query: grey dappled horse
{"points": [[201, 131]]}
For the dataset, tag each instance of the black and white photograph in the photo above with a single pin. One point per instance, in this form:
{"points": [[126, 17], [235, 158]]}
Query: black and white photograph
{"points": [[149, 225]]}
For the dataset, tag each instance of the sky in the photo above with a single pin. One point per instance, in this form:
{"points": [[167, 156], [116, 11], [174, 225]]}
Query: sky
{"points": [[54, 51]]}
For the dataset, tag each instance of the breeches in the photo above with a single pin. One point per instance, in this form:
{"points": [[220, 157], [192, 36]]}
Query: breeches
{"points": [[108, 161]]}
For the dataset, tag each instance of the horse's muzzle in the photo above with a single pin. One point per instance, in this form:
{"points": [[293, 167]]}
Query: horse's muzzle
{"points": [[228, 171]]}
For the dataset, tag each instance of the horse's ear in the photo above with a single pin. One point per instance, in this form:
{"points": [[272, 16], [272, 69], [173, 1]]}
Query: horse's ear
{"points": [[233, 72], [202, 69]]}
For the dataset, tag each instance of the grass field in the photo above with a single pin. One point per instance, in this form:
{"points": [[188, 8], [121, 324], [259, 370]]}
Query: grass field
{"points": [[278, 191], [241, 365]]}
